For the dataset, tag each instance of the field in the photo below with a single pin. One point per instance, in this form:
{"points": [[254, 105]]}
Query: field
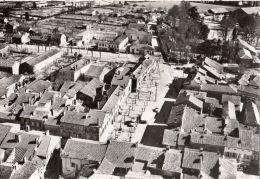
{"points": [[168, 4]]}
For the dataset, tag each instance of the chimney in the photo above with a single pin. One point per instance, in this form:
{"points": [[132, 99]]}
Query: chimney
{"points": [[98, 104], [201, 158], [17, 138], [47, 132]]}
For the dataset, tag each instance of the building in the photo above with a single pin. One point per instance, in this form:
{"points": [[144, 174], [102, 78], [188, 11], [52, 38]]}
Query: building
{"points": [[116, 45], [91, 125], [158, 161], [73, 71], [78, 153], [40, 62], [91, 93], [141, 49], [119, 158]]}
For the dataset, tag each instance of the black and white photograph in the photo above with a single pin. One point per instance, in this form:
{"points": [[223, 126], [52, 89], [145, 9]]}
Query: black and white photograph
{"points": [[129, 89]]}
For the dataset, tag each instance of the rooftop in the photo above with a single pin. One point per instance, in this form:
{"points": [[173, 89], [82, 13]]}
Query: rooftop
{"points": [[118, 154], [84, 150]]}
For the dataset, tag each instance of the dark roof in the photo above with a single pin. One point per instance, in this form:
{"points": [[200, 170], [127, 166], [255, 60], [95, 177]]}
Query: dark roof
{"points": [[84, 150], [251, 114], [6, 170], [176, 114]]}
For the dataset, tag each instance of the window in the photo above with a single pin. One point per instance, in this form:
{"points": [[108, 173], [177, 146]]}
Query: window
{"points": [[32, 123], [73, 165]]}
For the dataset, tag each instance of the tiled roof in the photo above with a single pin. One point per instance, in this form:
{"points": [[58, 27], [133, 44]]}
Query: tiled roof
{"points": [[28, 169], [208, 139], [4, 129], [113, 99], [42, 57], [91, 88], [95, 117], [118, 154], [214, 124], [213, 101], [192, 159], [149, 154], [38, 86], [27, 111], [84, 150], [120, 80], [172, 161], [65, 87], [219, 10], [192, 121], [170, 137], [46, 97], [74, 117], [246, 137], [27, 143], [234, 99], [218, 88], [249, 90], [72, 91], [58, 103], [210, 164], [229, 110], [95, 70], [183, 139], [176, 114], [213, 64], [189, 98], [256, 142], [251, 113], [247, 46]]}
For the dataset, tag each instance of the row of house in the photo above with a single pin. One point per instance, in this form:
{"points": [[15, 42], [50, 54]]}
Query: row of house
{"points": [[26, 154]]}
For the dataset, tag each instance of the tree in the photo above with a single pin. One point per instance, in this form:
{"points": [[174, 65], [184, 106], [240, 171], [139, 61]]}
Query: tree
{"points": [[204, 31], [250, 28], [27, 18], [173, 14], [193, 12], [227, 24]]}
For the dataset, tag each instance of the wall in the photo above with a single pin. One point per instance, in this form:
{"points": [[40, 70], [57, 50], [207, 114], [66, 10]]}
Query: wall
{"points": [[46, 62]]}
